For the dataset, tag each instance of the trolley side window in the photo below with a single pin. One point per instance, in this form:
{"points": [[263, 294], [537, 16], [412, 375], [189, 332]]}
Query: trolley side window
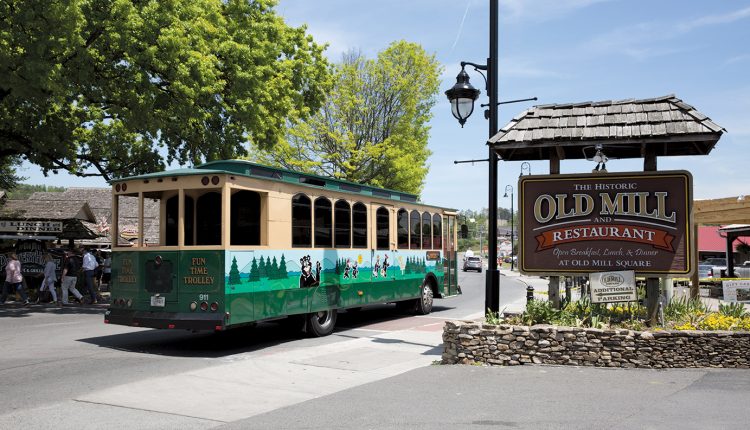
{"points": [[437, 229], [426, 231], [382, 228], [359, 217], [301, 221], [416, 230], [245, 218], [343, 224], [402, 229], [323, 223], [208, 219]]}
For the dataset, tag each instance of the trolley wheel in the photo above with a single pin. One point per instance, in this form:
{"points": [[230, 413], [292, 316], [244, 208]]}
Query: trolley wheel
{"points": [[424, 302], [321, 323]]}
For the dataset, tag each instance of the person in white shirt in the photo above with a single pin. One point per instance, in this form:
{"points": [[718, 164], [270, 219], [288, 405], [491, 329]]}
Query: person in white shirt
{"points": [[50, 277], [89, 269]]}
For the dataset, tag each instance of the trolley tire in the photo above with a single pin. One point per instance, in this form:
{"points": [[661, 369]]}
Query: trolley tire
{"points": [[425, 300], [321, 323]]}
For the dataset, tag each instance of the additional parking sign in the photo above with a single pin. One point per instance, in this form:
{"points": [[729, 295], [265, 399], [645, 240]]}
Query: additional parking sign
{"points": [[736, 291], [610, 287]]}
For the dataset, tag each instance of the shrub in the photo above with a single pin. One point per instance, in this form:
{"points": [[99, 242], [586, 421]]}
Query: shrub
{"points": [[539, 312], [682, 308], [733, 309]]}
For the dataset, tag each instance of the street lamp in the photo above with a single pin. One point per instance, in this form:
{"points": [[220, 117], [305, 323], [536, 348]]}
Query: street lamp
{"points": [[509, 187], [462, 97], [525, 166]]}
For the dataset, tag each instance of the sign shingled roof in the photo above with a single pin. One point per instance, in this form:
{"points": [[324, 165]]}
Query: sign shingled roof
{"points": [[624, 127]]}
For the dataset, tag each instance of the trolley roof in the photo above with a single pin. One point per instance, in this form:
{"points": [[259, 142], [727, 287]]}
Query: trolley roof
{"points": [[253, 170]]}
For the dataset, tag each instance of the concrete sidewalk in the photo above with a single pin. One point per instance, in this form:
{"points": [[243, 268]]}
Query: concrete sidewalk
{"points": [[257, 382]]}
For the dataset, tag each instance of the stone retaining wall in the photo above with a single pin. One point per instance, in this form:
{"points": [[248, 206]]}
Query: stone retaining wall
{"points": [[507, 345]]}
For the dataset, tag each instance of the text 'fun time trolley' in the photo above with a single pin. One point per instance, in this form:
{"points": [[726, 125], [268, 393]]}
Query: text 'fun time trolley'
{"points": [[230, 243]]}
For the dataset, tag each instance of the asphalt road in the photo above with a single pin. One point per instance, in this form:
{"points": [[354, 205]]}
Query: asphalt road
{"points": [[57, 365], [527, 397], [64, 368]]}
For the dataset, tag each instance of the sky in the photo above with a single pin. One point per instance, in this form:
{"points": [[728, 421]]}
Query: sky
{"points": [[560, 51]]}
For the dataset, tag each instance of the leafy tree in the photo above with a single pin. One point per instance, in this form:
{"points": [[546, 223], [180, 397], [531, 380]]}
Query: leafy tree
{"points": [[105, 87], [234, 273], [23, 191], [373, 127], [8, 178]]}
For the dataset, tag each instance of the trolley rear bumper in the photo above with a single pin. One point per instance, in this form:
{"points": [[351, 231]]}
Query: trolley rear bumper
{"points": [[166, 320]]}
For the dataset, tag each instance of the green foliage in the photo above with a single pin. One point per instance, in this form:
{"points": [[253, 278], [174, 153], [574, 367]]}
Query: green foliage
{"points": [[492, 317], [681, 308], [372, 128], [681, 314], [8, 178], [111, 85], [23, 191], [539, 312], [732, 309]]}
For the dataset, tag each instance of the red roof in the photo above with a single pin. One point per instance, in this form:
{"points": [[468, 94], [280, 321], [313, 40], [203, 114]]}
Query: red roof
{"points": [[709, 239]]}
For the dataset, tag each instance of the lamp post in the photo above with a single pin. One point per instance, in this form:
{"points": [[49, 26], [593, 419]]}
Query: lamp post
{"points": [[525, 166], [512, 254], [462, 97]]}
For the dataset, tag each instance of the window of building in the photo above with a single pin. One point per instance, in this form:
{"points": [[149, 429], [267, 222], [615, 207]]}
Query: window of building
{"points": [[415, 230], [208, 219], [342, 224], [245, 218], [323, 223], [383, 228], [359, 221], [437, 228], [402, 229], [301, 221], [426, 231]]}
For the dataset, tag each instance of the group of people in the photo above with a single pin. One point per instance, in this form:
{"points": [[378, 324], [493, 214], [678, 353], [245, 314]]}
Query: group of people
{"points": [[91, 267]]}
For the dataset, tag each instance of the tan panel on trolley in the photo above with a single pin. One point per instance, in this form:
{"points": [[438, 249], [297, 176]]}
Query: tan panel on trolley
{"points": [[275, 200]]}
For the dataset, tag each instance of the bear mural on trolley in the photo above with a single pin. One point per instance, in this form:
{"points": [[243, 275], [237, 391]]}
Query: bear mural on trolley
{"points": [[307, 278]]}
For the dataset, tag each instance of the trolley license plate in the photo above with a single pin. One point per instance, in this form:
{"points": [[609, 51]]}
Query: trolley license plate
{"points": [[158, 301]]}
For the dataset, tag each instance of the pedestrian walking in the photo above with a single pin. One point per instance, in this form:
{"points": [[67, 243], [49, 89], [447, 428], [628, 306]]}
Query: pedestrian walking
{"points": [[106, 269], [13, 279], [50, 277], [69, 278], [89, 271]]}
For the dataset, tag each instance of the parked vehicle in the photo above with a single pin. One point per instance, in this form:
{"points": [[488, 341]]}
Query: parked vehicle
{"points": [[742, 271], [705, 271], [718, 267], [473, 263]]}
